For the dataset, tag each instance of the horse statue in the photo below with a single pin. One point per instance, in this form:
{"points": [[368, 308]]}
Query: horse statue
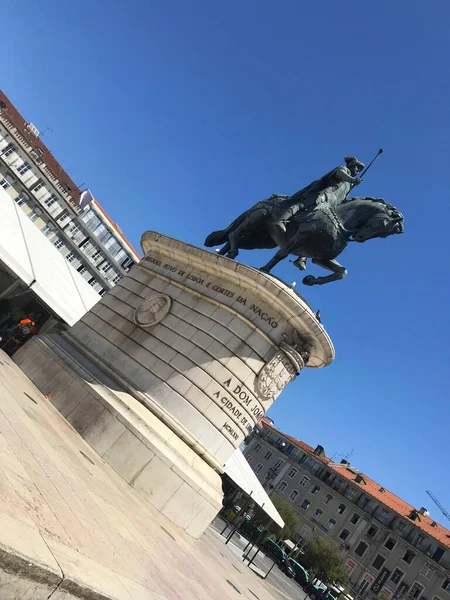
{"points": [[320, 234]]}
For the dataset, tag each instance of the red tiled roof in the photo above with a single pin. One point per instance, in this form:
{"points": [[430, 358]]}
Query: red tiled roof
{"points": [[374, 489], [14, 116], [396, 504]]}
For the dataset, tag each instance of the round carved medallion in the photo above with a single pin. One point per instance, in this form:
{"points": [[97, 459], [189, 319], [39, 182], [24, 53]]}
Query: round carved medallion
{"points": [[153, 310]]}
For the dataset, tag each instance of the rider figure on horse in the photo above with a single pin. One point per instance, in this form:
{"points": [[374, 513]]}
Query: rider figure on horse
{"points": [[333, 189]]}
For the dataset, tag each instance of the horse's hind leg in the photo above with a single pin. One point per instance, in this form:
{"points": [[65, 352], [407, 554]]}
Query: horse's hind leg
{"points": [[339, 272], [224, 249], [233, 239]]}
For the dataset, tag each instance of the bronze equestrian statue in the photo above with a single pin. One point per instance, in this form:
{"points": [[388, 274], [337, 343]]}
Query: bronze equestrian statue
{"points": [[316, 222]]}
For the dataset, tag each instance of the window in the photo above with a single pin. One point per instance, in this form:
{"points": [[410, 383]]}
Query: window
{"points": [[361, 548], [378, 562], [278, 464], [397, 576], [34, 214], [372, 532], [446, 585], [268, 455], [305, 504], [400, 527], [282, 486], [58, 243], [292, 473], [5, 183], [354, 519], [258, 466], [383, 515], [21, 199], [408, 557], [331, 523], [390, 544], [38, 186], [116, 279], [46, 229], [293, 495], [438, 554], [327, 499], [23, 168], [304, 481], [351, 493], [415, 591], [419, 540], [249, 458], [81, 270], [91, 219], [257, 447], [50, 200], [344, 534], [63, 215], [71, 256], [9, 150], [341, 509], [106, 267], [317, 514], [315, 489], [428, 570], [364, 503]]}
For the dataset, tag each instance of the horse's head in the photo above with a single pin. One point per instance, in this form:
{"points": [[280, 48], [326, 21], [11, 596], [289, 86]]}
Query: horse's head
{"points": [[385, 220]]}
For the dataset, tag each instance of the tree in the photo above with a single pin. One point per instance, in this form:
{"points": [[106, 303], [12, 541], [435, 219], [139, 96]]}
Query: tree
{"points": [[323, 559], [287, 513]]}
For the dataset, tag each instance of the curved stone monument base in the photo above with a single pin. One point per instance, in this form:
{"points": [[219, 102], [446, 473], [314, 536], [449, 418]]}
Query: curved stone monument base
{"points": [[175, 365], [130, 438]]}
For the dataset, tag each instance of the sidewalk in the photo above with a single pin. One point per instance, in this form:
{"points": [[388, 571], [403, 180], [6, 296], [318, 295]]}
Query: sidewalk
{"points": [[70, 527]]}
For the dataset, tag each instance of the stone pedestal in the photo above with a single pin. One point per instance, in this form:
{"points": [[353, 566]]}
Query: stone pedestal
{"points": [[168, 373]]}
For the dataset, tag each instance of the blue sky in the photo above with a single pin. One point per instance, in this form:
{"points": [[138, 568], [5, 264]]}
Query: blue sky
{"points": [[179, 115]]}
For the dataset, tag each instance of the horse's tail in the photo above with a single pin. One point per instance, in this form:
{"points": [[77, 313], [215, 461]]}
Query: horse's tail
{"points": [[216, 238]]}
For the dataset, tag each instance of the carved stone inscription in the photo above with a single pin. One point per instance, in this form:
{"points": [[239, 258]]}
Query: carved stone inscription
{"points": [[253, 311]]}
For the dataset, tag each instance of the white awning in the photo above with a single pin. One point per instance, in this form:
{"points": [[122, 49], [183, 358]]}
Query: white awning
{"points": [[34, 259], [238, 469]]}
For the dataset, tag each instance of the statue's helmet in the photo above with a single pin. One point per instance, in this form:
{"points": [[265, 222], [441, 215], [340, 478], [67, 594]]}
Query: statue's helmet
{"points": [[352, 160]]}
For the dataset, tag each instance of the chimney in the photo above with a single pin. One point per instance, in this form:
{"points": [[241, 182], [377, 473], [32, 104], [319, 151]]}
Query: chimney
{"points": [[423, 511], [344, 462], [319, 451]]}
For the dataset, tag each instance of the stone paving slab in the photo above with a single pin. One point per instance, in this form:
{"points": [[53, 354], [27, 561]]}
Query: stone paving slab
{"points": [[70, 527]]}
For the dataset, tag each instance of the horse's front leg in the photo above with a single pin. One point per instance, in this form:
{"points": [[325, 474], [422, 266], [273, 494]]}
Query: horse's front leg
{"points": [[339, 272], [279, 256]]}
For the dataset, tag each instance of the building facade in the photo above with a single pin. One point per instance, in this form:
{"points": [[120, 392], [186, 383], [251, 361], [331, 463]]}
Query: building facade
{"points": [[391, 549], [85, 235]]}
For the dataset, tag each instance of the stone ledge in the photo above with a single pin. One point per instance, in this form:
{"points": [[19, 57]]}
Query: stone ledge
{"points": [[128, 437]]}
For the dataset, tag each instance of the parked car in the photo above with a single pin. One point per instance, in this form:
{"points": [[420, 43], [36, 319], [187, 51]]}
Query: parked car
{"points": [[316, 592], [301, 574], [279, 556]]}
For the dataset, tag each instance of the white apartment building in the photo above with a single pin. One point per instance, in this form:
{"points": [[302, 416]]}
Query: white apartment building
{"points": [[392, 550], [93, 244]]}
